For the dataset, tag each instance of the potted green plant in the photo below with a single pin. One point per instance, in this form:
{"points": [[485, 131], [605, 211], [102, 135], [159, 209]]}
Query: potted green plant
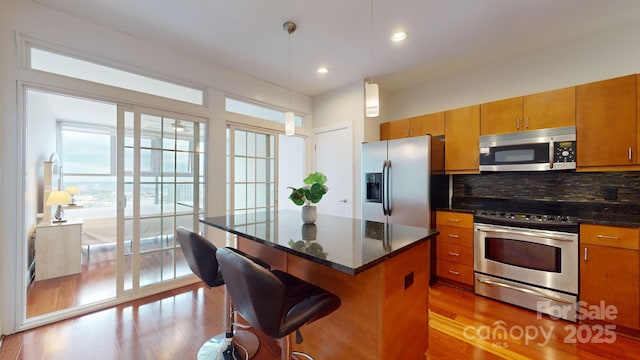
{"points": [[311, 193]]}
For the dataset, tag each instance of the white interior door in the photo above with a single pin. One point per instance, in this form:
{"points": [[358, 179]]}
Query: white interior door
{"points": [[334, 158]]}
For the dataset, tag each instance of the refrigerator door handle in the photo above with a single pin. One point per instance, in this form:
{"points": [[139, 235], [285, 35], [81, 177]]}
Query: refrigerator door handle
{"points": [[382, 189], [388, 190]]}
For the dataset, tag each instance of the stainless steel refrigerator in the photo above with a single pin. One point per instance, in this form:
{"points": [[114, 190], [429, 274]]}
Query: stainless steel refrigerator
{"points": [[403, 180]]}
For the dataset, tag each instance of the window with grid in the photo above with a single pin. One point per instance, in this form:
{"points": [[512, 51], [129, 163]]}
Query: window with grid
{"points": [[251, 171]]}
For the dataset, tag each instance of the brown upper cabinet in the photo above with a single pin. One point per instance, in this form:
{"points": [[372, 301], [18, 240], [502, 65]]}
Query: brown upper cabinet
{"points": [[462, 140], [416, 126], [555, 108], [606, 130]]}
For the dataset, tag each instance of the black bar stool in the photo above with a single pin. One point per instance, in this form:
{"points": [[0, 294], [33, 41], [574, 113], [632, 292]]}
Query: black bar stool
{"points": [[274, 302], [201, 257]]}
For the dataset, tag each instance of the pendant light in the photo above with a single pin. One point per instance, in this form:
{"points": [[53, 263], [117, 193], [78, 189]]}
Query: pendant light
{"points": [[371, 93], [372, 99], [289, 117]]}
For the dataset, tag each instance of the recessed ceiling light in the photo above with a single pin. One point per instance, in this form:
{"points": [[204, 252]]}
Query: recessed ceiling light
{"points": [[322, 70], [398, 36]]}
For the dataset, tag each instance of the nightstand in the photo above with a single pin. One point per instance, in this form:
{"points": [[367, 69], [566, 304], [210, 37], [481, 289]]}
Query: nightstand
{"points": [[58, 249]]}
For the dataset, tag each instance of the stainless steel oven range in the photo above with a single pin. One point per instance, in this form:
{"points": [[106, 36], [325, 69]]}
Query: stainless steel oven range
{"points": [[528, 260]]}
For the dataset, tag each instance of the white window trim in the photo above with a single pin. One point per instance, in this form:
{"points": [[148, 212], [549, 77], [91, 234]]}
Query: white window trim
{"points": [[26, 42]]}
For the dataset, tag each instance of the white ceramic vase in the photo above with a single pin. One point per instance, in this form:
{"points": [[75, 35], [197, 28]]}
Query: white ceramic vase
{"points": [[309, 214]]}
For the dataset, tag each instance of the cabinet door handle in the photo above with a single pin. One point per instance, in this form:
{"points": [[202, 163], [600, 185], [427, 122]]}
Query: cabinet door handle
{"points": [[454, 272], [526, 122], [453, 220], [518, 124], [454, 236], [453, 253], [608, 237], [630, 154], [586, 254]]}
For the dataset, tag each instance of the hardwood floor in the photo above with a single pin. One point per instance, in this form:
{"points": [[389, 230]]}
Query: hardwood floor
{"points": [[175, 324], [463, 325], [97, 279]]}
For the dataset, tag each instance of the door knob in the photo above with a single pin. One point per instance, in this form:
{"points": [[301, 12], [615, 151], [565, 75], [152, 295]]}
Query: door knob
{"points": [[343, 200]]}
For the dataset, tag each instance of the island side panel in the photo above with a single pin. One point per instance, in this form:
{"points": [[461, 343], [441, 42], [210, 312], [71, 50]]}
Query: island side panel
{"points": [[277, 259], [405, 293], [352, 331]]}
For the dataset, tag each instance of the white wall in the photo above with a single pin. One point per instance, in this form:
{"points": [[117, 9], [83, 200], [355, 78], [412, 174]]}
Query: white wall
{"points": [[116, 48], [9, 177], [291, 168], [40, 133], [346, 106], [607, 54]]}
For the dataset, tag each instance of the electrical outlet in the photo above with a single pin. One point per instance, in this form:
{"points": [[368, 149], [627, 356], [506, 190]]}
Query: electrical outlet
{"points": [[611, 193], [408, 280]]}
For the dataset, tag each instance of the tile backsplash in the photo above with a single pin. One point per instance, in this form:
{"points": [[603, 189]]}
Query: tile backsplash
{"points": [[619, 187]]}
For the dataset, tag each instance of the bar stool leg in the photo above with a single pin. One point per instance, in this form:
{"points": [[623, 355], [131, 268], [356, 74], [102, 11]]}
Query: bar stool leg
{"points": [[243, 342], [233, 344], [287, 354], [285, 349]]}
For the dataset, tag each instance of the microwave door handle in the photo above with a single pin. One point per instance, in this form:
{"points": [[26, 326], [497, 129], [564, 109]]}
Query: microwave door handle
{"points": [[551, 153]]}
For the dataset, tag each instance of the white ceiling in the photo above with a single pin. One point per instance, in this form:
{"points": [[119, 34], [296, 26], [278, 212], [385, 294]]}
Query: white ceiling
{"points": [[445, 36]]}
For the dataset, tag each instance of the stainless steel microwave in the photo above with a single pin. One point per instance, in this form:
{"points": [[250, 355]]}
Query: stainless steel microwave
{"points": [[534, 150]]}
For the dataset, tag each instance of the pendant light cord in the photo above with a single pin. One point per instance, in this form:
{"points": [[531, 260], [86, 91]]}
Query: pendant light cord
{"points": [[371, 43], [289, 31]]}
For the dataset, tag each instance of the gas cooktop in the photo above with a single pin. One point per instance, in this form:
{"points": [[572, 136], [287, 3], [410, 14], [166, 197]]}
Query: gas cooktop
{"points": [[525, 220]]}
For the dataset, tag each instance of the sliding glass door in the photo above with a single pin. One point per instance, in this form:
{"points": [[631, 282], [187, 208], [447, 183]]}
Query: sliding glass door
{"points": [[160, 187], [134, 175]]}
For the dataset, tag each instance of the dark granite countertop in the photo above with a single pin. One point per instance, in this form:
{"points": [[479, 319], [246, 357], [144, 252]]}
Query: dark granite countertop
{"points": [[460, 210], [345, 244], [621, 220]]}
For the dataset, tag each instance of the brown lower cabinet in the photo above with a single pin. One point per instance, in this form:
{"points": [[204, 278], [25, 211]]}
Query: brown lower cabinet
{"points": [[454, 248], [610, 274]]}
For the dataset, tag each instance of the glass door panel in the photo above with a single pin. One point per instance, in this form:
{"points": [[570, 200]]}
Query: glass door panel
{"points": [[165, 155], [126, 147], [251, 173], [67, 150]]}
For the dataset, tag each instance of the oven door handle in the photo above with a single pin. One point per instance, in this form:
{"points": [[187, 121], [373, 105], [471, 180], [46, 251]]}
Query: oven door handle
{"points": [[524, 290], [525, 233]]}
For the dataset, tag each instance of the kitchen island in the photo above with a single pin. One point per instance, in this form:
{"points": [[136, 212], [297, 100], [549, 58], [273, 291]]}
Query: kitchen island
{"points": [[380, 272]]}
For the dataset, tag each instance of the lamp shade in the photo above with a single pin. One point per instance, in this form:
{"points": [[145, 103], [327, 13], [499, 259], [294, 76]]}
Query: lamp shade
{"points": [[289, 123], [372, 100], [59, 198]]}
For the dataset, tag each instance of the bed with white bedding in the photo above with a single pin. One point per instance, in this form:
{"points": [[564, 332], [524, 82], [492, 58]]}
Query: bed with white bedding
{"points": [[100, 224]]}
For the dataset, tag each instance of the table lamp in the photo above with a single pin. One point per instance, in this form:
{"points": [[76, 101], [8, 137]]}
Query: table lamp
{"points": [[59, 198], [72, 190]]}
